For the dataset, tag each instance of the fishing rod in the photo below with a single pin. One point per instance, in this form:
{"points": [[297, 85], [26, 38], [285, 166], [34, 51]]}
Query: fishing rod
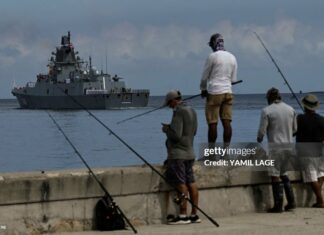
{"points": [[279, 70], [140, 157], [110, 199], [163, 106], [147, 112]]}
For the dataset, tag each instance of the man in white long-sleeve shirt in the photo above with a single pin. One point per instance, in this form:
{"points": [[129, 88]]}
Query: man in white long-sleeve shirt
{"points": [[279, 123], [216, 84]]}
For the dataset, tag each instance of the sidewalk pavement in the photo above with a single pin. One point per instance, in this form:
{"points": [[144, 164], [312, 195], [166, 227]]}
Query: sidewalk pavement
{"points": [[301, 221]]}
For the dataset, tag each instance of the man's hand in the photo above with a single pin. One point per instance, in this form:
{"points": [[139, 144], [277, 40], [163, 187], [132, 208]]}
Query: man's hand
{"points": [[165, 127], [204, 93], [259, 139]]}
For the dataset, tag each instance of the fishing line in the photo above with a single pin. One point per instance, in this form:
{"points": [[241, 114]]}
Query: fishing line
{"points": [[279, 70], [113, 204], [140, 157]]}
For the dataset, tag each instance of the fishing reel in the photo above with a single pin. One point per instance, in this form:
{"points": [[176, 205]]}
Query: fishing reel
{"points": [[179, 199]]}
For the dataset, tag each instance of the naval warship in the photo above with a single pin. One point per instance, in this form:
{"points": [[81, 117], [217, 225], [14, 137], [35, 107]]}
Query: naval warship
{"points": [[72, 83]]}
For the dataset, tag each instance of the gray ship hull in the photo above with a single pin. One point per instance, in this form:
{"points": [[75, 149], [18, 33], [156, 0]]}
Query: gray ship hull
{"points": [[102, 101]]}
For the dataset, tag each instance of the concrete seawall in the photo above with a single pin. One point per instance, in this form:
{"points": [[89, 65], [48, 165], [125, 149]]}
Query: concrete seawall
{"points": [[35, 203]]}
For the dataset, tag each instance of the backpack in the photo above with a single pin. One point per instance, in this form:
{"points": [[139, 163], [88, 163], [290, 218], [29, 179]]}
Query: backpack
{"points": [[107, 217]]}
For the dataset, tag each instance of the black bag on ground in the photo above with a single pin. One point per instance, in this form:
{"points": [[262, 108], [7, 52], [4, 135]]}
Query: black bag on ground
{"points": [[107, 216]]}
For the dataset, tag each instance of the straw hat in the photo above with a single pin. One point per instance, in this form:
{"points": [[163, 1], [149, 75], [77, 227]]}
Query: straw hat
{"points": [[310, 102]]}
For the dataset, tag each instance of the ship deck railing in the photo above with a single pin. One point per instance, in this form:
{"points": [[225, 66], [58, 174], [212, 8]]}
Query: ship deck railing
{"points": [[96, 92], [140, 91], [99, 92]]}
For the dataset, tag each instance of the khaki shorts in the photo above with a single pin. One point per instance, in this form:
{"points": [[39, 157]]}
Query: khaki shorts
{"points": [[219, 105]]}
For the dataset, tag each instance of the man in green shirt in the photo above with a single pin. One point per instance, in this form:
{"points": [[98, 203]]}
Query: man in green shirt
{"points": [[180, 136]]}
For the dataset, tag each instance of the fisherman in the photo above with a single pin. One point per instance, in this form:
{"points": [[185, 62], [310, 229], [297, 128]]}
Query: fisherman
{"points": [[278, 122], [311, 130], [179, 173], [219, 72]]}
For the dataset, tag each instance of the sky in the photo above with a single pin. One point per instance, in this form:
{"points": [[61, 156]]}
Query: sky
{"points": [[162, 45]]}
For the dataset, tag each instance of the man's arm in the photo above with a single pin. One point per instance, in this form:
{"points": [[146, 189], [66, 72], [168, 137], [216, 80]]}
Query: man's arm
{"points": [[294, 127], [195, 122], [322, 128], [263, 126], [174, 131], [234, 73], [206, 73]]}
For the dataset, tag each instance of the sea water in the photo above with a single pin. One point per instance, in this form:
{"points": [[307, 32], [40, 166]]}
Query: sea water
{"points": [[30, 141]]}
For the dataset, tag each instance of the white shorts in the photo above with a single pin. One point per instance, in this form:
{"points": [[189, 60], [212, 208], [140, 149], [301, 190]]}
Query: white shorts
{"points": [[312, 176], [313, 169]]}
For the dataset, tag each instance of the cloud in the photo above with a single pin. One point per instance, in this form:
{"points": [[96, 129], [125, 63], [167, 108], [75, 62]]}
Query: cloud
{"points": [[168, 42], [127, 42], [281, 34], [12, 47], [19, 40]]}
